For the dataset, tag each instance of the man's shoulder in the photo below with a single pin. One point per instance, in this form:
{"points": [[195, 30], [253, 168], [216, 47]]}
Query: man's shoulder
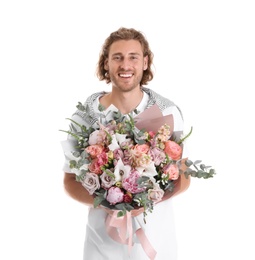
{"points": [[156, 98], [162, 102], [89, 113], [92, 98]]}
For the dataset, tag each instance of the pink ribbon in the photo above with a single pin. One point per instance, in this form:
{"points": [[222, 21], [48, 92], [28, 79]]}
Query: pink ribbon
{"points": [[120, 229]]}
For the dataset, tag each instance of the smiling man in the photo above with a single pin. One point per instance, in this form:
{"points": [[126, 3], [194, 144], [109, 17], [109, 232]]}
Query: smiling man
{"points": [[125, 65], [125, 62]]}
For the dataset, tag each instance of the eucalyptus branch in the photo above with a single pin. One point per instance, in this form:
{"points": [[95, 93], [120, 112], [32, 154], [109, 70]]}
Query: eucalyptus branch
{"points": [[75, 122], [72, 134]]}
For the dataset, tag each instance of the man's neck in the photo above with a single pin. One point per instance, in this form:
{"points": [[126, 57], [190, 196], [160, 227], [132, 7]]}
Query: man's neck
{"points": [[123, 101]]}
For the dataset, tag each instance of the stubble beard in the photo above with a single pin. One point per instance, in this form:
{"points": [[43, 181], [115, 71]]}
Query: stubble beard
{"points": [[126, 87]]}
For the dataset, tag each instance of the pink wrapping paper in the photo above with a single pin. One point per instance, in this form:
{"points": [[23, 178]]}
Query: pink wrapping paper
{"points": [[152, 119]]}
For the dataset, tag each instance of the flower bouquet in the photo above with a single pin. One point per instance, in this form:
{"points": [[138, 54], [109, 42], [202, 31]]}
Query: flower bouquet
{"points": [[125, 165]]}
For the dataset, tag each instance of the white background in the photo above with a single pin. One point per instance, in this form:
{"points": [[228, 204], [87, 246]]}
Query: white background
{"points": [[204, 61]]}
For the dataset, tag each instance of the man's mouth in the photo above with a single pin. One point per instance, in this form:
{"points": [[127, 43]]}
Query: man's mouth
{"points": [[129, 75]]}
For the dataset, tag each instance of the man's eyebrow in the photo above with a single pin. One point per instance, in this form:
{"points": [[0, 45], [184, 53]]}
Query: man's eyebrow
{"points": [[134, 53], [131, 53], [117, 53]]}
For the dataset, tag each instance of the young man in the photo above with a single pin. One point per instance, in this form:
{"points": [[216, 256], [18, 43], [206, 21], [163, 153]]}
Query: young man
{"points": [[125, 63]]}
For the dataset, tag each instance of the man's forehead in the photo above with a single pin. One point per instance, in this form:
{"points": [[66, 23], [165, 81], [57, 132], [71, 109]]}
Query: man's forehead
{"points": [[126, 47]]}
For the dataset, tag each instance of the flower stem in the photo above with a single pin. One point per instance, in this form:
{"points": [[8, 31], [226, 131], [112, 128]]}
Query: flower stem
{"points": [[186, 136]]}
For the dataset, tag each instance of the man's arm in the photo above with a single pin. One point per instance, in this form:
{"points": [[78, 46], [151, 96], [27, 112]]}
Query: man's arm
{"points": [[76, 191]]}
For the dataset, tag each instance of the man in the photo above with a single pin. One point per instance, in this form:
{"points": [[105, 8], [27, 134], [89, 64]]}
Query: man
{"points": [[125, 63]]}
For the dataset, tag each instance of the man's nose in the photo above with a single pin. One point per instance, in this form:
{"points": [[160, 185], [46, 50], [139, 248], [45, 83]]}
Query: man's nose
{"points": [[125, 63]]}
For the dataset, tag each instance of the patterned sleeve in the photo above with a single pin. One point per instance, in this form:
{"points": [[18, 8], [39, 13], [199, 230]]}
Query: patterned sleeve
{"points": [[81, 118], [69, 144]]}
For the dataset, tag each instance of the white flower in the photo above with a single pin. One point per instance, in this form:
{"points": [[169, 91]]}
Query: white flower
{"points": [[114, 144], [121, 138], [117, 140], [149, 170], [121, 170]]}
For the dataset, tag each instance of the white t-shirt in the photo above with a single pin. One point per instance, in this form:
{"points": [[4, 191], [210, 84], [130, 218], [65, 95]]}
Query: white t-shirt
{"points": [[159, 228]]}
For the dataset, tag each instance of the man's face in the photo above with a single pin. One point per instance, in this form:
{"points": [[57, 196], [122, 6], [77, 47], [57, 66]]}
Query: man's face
{"points": [[125, 64]]}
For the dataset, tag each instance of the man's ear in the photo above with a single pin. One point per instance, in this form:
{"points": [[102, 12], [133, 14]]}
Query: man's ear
{"points": [[106, 67], [145, 63]]}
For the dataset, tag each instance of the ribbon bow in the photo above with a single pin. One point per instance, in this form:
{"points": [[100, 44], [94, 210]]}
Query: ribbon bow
{"points": [[120, 229]]}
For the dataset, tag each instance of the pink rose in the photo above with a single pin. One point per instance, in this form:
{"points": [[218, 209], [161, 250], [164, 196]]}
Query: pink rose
{"points": [[172, 170], [91, 182], [173, 150], [115, 195]]}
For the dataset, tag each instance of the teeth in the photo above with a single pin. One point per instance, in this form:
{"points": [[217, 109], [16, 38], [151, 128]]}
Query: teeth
{"points": [[125, 75]]}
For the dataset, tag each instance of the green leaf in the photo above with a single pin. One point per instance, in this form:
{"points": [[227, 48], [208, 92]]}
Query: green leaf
{"points": [[101, 107], [170, 186], [197, 162], [80, 106], [98, 200], [121, 214], [72, 164], [202, 167], [188, 163], [109, 173]]}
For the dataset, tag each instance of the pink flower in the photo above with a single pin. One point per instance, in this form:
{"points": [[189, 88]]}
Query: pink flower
{"points": [[164, 133], [128, 157], [151, 134], [102, 158], [110, 128], [94, 150], [91, 182], [97, 137], [172, 170], [130, 183], [173, 150], [118, 154], [143, 160], [128, 144], [141, 148], [95, 166], [158, 156], [115, 195]]}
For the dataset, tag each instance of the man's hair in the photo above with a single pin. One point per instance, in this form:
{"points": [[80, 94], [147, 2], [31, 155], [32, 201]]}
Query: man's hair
{"points": [[125, 34]]}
